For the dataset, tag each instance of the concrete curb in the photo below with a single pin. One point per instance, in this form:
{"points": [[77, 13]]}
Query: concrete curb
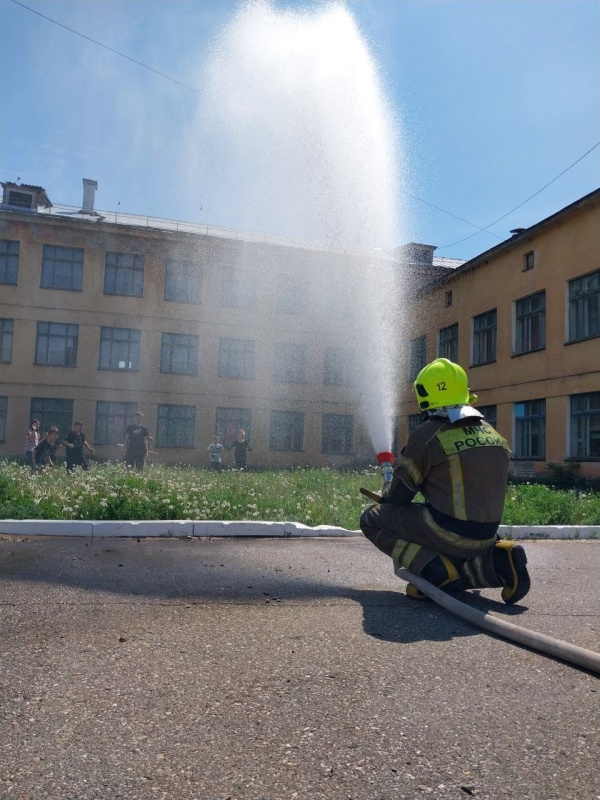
{"points": [[187, 528]]}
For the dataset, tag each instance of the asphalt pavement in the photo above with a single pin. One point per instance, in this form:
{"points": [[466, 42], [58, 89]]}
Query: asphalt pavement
{"points": [[273, 669]]}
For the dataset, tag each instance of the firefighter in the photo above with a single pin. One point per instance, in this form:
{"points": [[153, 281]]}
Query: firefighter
{"points": [[459, 463]]}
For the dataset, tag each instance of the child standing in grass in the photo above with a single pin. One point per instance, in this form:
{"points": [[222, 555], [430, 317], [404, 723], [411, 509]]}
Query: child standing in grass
{"points": [[215, 451]]}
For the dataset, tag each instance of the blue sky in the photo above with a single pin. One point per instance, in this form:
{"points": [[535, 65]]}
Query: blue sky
{"points": [[494, 99]]}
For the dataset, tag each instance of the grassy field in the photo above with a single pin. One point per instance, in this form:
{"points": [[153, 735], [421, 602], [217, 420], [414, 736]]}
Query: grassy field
{"points": [[309, 496]]}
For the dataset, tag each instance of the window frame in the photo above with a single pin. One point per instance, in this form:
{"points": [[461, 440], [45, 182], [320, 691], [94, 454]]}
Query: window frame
{"points": [[525, 429], [7, 330], [287, 431], [529, 260], [526, 319], [238, 288], [236, 358], [111, 344], [339, 366], [489, 415], [581, 301], [9, 261], [290, 363], [53, 411], [338, 427], [183, 282], [175, 426], [485, 339], [70, 333], [19, 199], [53, 262], [170, 346], [579, 418], [228, 421], [104, 432], [122, 270], [3, 417], [417, 358], [445, 351]]}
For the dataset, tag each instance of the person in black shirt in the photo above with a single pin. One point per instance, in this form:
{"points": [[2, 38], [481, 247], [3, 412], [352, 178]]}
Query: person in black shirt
{"points": [[240, 450], [44, 452], [74, 443], [136, 443]]}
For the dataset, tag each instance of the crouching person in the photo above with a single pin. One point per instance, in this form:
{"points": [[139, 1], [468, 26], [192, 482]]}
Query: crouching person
{"points": [[459, 463]]}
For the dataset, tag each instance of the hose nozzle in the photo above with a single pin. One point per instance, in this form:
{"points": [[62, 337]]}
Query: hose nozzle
{"points": [[385, 461]]}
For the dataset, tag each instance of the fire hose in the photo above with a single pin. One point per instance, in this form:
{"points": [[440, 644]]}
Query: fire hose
{"points": [[532, 639], [482, 619]]}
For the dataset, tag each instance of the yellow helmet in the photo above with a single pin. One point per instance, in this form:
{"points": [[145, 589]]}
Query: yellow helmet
{"points": [[442, 383]]}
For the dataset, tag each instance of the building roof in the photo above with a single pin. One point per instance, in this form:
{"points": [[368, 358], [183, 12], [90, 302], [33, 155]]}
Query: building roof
{"points": [[38, 190], [520, 236]]}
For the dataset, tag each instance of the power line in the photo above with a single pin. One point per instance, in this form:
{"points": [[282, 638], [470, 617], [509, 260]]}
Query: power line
{"points": [[524, 201], [196, 91], [450, 214], [106, 47]]}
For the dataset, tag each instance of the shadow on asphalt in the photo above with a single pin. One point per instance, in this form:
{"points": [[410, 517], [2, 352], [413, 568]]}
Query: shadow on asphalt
{"points": [[229, 579]]}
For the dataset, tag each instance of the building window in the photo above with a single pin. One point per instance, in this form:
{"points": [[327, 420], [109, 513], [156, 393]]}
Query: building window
{"points": [[183, 281], [339, 366], [530, 324], [290, 363], [6, 340], [418, 356], [20, 199], [238, 289], [448, 298], [111, 421], [62, 268], [56, 344], [236, 358], [179, 354], [490, 414], [53, 411], [584, 307], [9, 261], [3, 416], [484, 338], [414, 420], [124, 274], [338, 434], [175, 426], [528, 260], [448, 342], [119, 349], [585, 425], [287, 431], [292, 296], [530, 429], [230, 420]]}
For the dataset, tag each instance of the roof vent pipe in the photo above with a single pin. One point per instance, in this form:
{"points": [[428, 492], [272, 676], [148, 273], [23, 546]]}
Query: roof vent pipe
{"points": [[89, 194]]}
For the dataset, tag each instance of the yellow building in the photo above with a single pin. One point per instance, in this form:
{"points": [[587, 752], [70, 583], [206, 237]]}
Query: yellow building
{"points": [[524, 319], [201, 329]]}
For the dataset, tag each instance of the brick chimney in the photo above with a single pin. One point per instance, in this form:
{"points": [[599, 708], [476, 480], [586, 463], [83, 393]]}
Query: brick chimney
{"points": [[89, 195]]}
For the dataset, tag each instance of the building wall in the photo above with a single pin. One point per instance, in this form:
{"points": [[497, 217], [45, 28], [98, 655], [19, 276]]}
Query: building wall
{"points": [[273, 268], [566, 248]]}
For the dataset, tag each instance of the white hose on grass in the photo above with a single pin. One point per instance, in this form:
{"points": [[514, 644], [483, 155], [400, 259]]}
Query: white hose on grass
{"points": [[537, 641]]}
